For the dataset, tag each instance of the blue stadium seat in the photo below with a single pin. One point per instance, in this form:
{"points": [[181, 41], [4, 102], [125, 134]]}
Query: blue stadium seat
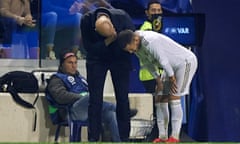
{"points": [[74, 126]]}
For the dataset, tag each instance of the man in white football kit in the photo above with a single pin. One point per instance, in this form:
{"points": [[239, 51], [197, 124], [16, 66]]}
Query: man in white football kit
{"points": [[179, 65]]}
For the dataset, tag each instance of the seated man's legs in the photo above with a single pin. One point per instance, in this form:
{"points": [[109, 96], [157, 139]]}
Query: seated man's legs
{"points": [[109, 119], [79, 111]]}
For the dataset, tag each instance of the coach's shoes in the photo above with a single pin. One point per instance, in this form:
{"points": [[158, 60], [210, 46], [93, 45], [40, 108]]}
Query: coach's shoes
{"points": [[172, 140], [158, 140]]}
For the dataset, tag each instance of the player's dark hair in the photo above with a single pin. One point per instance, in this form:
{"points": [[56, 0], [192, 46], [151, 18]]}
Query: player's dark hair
{"points": [[124, 38]]}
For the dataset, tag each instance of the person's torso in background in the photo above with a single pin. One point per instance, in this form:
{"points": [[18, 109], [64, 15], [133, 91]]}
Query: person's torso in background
{"points": [[17, 7]]}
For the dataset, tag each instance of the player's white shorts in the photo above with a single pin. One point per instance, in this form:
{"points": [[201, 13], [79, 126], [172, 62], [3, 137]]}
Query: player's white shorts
{"points": [[184, 74]]}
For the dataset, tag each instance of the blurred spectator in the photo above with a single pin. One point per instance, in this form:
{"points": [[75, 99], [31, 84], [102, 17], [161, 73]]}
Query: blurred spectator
{"points": [[64, 16], [93, 4], [16, 18], [58, 16]]}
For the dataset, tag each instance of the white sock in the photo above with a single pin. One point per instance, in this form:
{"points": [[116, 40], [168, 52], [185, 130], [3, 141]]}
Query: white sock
{"points": [[177, 116], [162, 114]]}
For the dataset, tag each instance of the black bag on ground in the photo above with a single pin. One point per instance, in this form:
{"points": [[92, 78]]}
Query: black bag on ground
{"points": [[19, 82], [16, 82]]}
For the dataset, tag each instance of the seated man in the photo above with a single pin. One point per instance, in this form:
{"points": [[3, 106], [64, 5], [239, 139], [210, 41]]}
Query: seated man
{"points": [[67, 86]]}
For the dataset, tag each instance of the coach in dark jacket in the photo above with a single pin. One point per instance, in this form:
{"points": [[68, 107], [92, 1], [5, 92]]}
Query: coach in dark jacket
{"points": [[99, 30]]}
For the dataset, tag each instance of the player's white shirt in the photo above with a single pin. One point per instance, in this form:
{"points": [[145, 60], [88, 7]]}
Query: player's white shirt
{"points": [[173, 58], [169, 53]]}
